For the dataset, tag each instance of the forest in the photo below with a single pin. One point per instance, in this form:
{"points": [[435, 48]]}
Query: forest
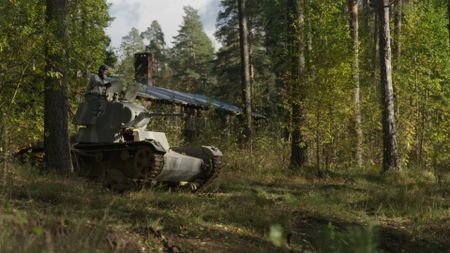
{"points": [[326, 127]]}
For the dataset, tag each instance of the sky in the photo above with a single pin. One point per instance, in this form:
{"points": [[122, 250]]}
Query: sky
{"points": [[169, 14]]}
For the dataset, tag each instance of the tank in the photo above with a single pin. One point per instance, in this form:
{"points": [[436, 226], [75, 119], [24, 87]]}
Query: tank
{"points": [[114, 146]]}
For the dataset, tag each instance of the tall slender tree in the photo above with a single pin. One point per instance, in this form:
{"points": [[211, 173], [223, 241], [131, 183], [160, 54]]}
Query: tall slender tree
{"points": [[448, 15], [376, 45], [354, 30], [296, 44], [245, 70], [56, 138], [228, 65], [398, 28], [390, 153], [366, 7]]}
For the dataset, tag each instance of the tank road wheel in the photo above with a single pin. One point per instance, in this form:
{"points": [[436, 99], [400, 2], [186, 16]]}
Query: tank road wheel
{"points": [[82, 165], [115, 180], [119, 167], [144, 165], [87, 164], [142, 162]]}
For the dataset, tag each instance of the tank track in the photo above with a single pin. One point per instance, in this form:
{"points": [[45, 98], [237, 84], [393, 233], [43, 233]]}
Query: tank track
{"points": [[157, 167], [216, 162], [119, 166], [127, 183]]}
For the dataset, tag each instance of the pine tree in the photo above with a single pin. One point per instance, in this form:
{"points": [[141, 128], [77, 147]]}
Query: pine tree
{"points": [[354, 31], [296, 43], [245, 72], [56, 138], [157, 46], [227, 65], [155, 36], [131, 43], [110, 55], [192, 54]]}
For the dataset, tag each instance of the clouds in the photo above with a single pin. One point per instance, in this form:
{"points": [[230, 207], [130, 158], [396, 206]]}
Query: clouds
{"points": [[209, 15], [127, 10], [169, 13]]}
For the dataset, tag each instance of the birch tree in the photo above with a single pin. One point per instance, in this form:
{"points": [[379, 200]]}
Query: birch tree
{"points": [[390, 153], [296, 54], [354, 30]]}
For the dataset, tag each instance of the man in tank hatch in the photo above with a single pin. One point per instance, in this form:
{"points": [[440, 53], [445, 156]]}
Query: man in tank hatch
{"points": [[98, 83]]}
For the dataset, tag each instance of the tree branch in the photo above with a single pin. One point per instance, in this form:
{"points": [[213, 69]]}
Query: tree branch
{"points": [[18, 85], [390, 4]]}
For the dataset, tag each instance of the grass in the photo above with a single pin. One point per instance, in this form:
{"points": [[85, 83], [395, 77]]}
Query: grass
{"points": [[256, 205]]}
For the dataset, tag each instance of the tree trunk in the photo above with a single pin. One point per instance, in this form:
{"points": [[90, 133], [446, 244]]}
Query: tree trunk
{"points": [[375, 53], [245, 71], [296, 43], [390, 154], [448, 26], [56, 139], [398, 28], [354, 30], [318, 133], [366, 9]]}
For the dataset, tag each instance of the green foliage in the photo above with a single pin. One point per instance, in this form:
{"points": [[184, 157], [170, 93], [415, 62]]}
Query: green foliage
{"points": [[131, 43], [157, 46], [227, 65], [192, 54], [154, 35], [21, 69], [423, 92], [22, 73], [351, 239], [86, 47], [110, 55], [256, 203], [421, 73], [329, 88]]}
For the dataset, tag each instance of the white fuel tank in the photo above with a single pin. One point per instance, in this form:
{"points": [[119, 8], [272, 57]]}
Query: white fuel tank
{"points": [[179, 167]]}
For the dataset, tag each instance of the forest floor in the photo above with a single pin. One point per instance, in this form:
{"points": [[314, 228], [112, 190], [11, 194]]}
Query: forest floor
{"points": [[253, 206]]}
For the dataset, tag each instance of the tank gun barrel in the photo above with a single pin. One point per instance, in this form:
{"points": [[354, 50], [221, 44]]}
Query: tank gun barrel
{"points": [[165, 114], [146, 115]]}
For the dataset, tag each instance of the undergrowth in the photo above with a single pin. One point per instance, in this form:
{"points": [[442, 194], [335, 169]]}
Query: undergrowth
{"points": [[255, 205]]}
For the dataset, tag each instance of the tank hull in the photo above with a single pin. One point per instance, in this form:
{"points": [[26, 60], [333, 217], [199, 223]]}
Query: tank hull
{"points": [[122, 166]]}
